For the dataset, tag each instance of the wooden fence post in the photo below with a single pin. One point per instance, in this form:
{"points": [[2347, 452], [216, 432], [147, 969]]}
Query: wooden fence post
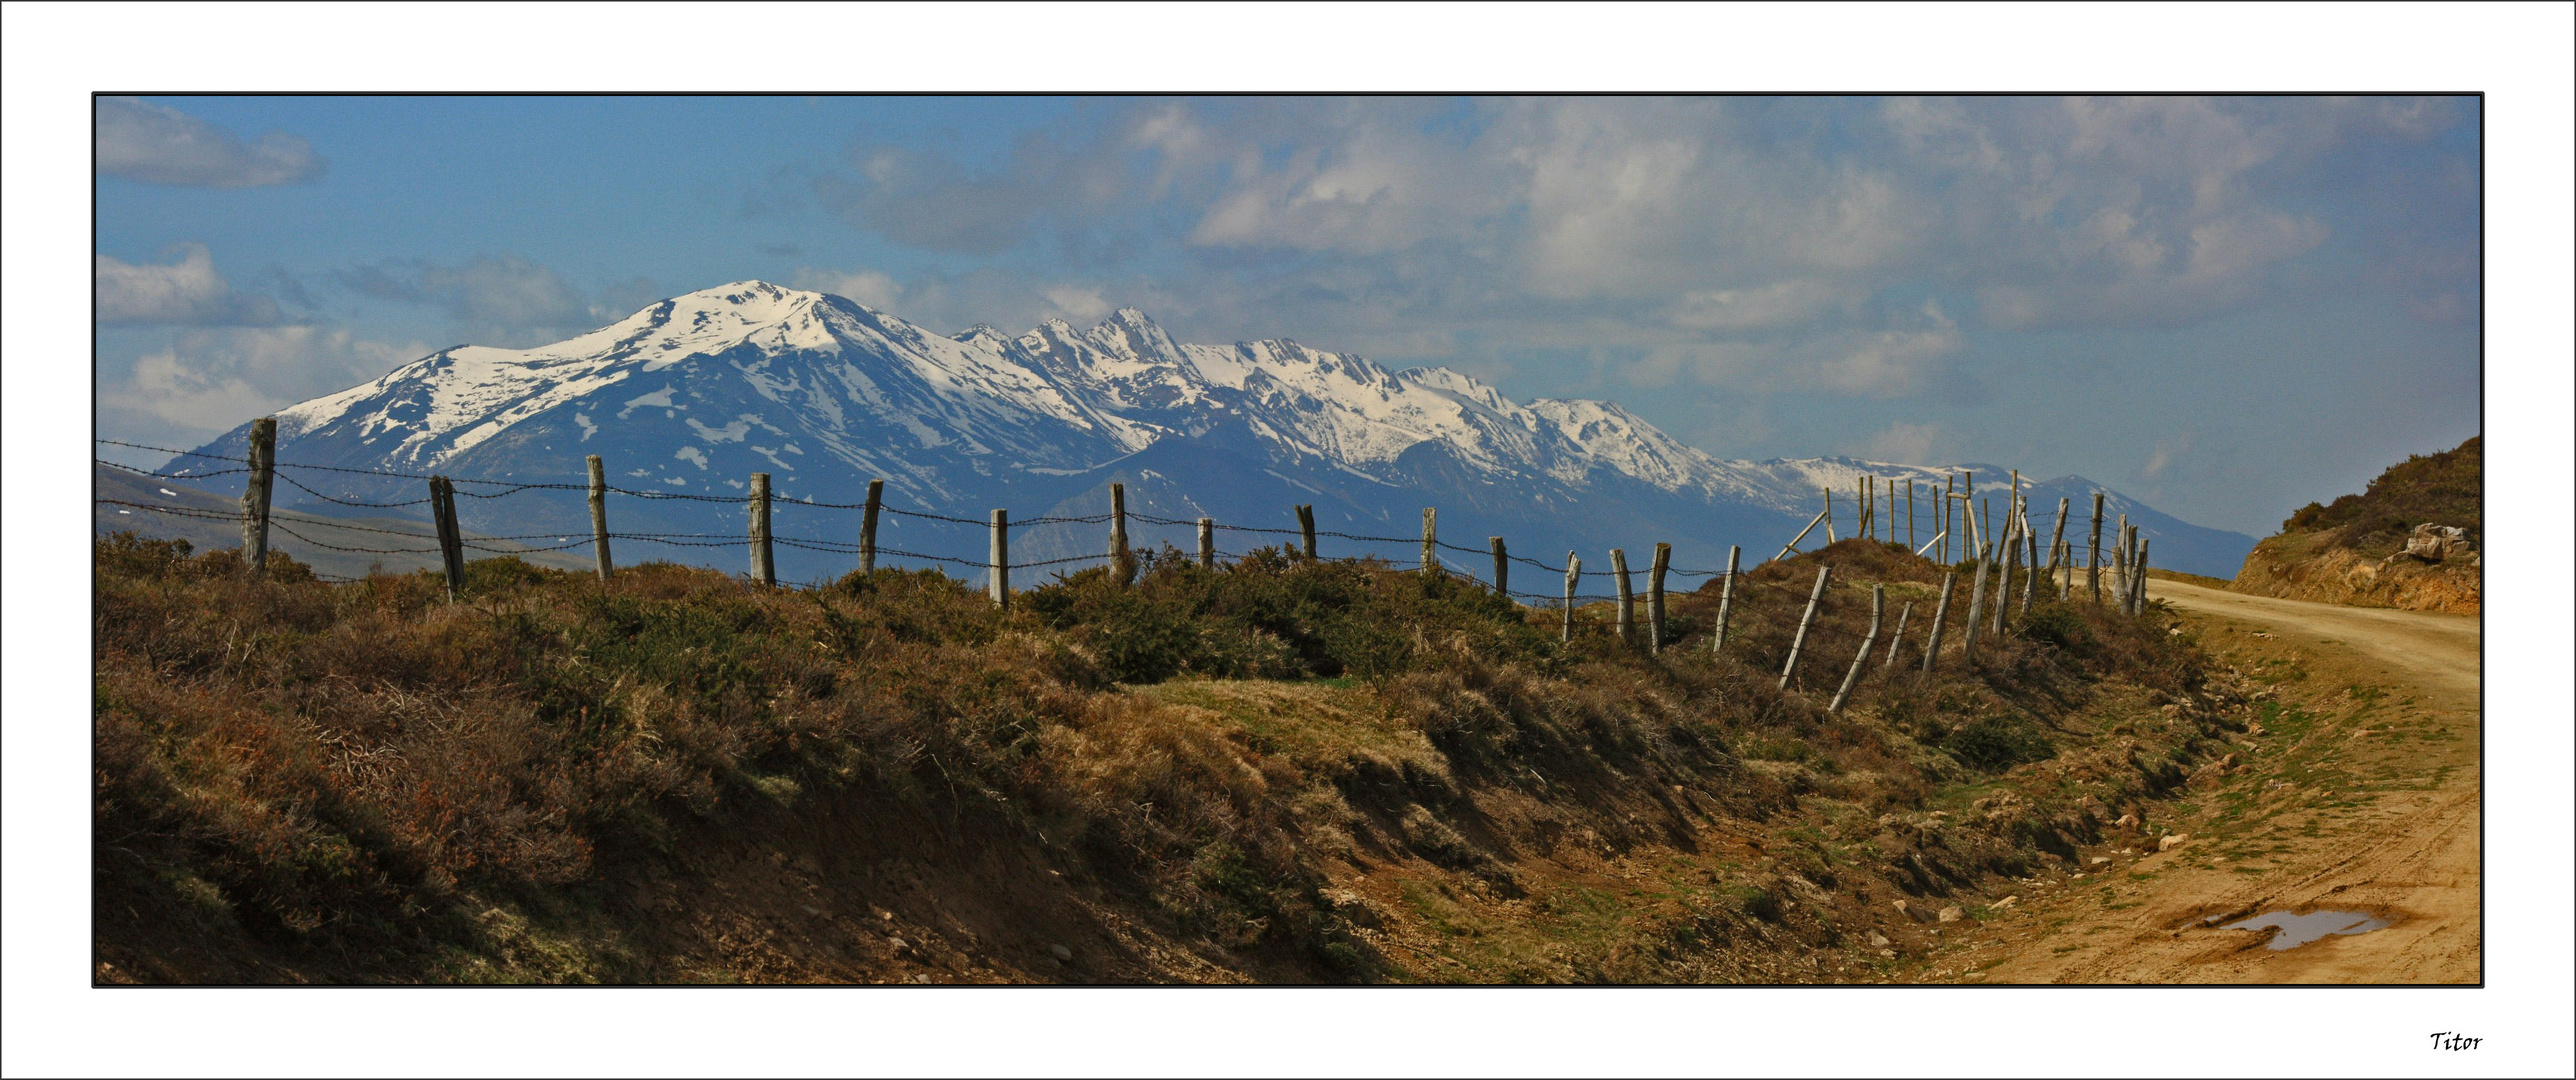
{"points": [[998, 582], [1792, 545], [2031, 572], [2057, 539], [1430, 540], [2011, 561], [1207, 543], [1877, 611], [763, 570], [1573, 572], [868, 528], [599, 515], [1949, 526], [2120, 564], [263, 470], [1122, 559], [1306, 529], [451, 539], [2065, 570], [1726, 597], [1799, 643], [1502, 568], [1910, 545], [2093, 552], [1897, 642], [2136, 601], [1627, 598], [1976, 603], [1829, 515], [1655, 597], [1940, 619]]}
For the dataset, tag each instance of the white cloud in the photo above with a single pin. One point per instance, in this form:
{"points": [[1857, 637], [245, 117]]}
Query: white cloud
{"points": [[188, 291], [213, 379], [139, 140], [1760, 308], [1078, 303], [1903, 442], [874, 288]]}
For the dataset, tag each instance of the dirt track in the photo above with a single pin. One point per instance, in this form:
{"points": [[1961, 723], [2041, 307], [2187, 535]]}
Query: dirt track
{"points": [[2361, 796]]}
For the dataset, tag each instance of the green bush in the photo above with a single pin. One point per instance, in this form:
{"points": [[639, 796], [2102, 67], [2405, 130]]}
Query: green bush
{"points": [[1994, 743]]}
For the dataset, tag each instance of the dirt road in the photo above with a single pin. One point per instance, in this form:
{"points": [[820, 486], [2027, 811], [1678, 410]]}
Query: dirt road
{"points": [[2360, 794]]}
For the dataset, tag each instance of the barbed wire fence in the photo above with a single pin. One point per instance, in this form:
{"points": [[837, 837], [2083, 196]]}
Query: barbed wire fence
{"points": [[1741, 592]]}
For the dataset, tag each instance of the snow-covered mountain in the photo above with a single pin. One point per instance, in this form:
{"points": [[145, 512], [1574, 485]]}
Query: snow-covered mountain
{"points": [[693, 394]]}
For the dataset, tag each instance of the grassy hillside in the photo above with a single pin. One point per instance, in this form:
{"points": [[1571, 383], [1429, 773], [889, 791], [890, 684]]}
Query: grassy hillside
{"points": [[1278, 771], [2341, 552]]}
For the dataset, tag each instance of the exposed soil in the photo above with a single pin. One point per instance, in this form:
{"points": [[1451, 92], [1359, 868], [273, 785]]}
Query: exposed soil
{"points": [[2308, 566], [2361, 794]]}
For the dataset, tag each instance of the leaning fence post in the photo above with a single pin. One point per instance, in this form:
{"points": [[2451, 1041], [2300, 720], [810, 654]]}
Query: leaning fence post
{"points": [[263, 468], [2003, 585], [1306, 529], [1877, 611], [1430, 540], [763, 570], [999, 582], [1940, 619], [868, 528], [1207, 543], [1502, 568], [1798, 643], [2030, 542], [1726, 598], [1627, 598], [2057, 539], [1898, 641], [1655, 597], [451, 539], [1573, 572], [1122, 562], [1976, 602]]}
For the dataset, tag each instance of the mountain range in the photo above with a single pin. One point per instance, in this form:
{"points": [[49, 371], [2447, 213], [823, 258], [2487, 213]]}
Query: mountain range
{"points": [[693, 394]]}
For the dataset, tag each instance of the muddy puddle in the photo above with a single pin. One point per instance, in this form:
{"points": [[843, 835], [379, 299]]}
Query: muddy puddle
{"points": [[2291, 931]]}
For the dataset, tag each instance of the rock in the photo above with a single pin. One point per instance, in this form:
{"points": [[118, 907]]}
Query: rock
{"points": [[1061, 953], [2172, 841], [2126, 821], [2005, 902], [1953, 913], [1877, 940], [923, 980], [898, 944], [1918, 914], [813, 911], [2097, 860]]}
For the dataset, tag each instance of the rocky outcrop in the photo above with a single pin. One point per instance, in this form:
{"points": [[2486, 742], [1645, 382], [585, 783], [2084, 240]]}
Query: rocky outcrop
{"points": [[2440, 570]]}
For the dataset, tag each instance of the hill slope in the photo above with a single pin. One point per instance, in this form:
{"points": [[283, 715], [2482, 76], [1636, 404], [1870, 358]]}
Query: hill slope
{"points": [[2355, 550]]}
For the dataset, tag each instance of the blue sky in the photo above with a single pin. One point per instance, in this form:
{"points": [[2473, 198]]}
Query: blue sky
{"points": [[2225, 306]]}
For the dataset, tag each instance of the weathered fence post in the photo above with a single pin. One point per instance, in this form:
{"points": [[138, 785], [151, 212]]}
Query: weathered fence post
{"points": [[1877, 611], [998, 582], [451, 539], [1910, 545], [1627, 598], [1976, 602], [1306, 529], [1940, 619], [1122, 559], [868, 528], [1792, 545], [1726, 598], [1829, 515], [2120, 564], [2065, 570], [2011, 561], [1898, 641], [599, 515], [1573, 573], [1207, 543], [1655, 597], [263, 469], [2093, 552], [2030, 580], [2136, 601], [763, 570], [1799, 643], [1502, 568], [1430, 540]]}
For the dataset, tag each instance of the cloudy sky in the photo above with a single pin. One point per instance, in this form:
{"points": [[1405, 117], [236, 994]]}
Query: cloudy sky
{"points": [[2225, 306]]}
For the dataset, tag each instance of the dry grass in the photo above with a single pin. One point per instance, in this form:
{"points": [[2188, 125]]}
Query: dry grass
{"points": [[300, 781]]}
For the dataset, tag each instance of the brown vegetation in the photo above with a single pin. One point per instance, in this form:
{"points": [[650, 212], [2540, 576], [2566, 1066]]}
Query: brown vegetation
{"points": [[1278, 771], [2351, 550]]}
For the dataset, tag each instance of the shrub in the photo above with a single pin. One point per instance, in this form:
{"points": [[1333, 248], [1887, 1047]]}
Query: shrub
{"points": [[1994, 743]]}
